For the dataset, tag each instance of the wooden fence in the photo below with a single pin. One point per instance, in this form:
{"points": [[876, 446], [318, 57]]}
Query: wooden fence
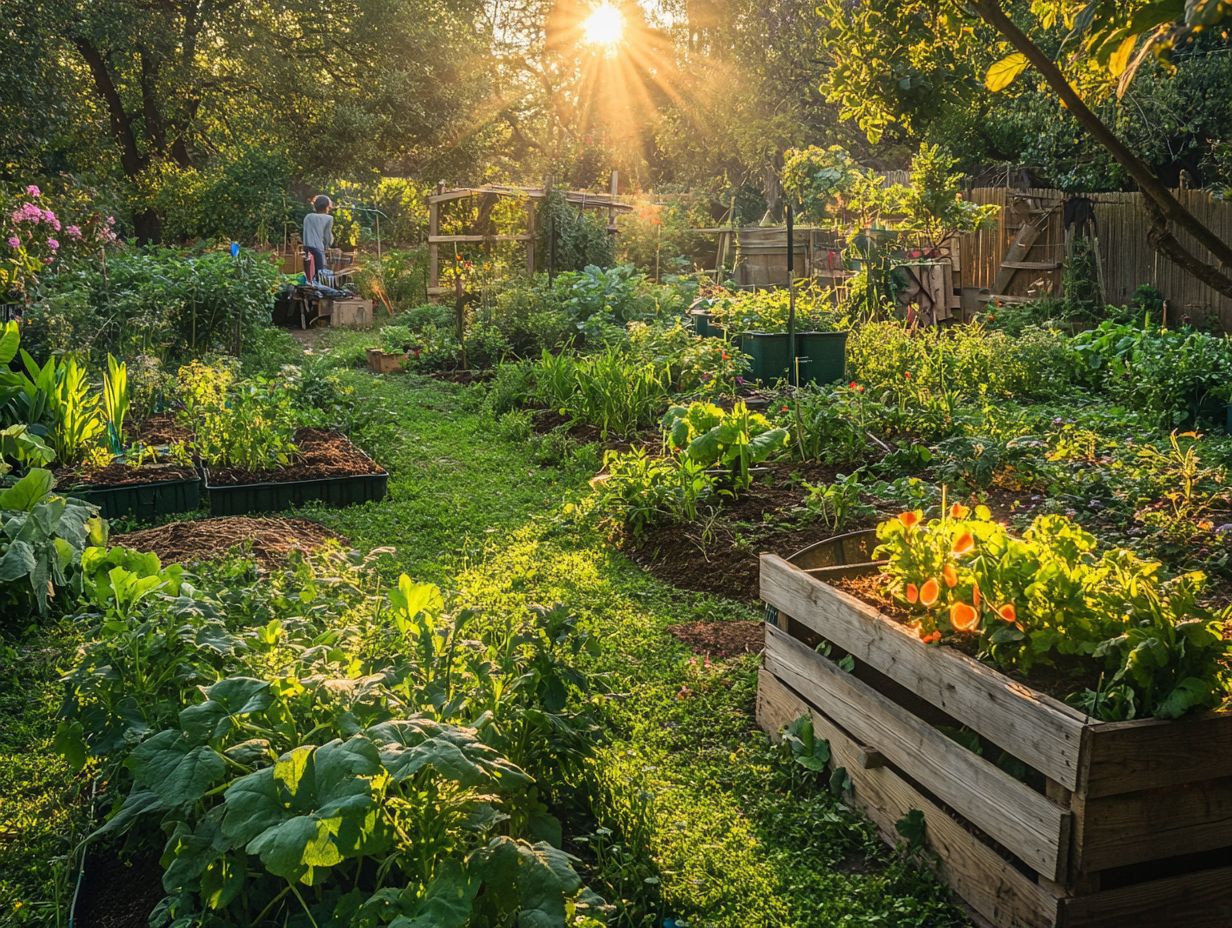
{"points": [[1127, 257]]}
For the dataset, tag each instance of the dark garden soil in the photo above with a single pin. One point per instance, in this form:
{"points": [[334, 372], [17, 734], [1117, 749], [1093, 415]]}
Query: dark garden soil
{"points": [[120, 474], [120, 888], [160, 429], [721, 555], [272, 540], [321, 454], [720, 640]]}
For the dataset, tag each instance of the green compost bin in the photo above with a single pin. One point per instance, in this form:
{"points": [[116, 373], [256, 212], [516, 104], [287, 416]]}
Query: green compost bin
{"points": [[822, 356]]}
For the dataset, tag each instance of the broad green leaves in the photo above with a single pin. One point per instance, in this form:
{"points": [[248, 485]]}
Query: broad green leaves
{"points": [[175, 768]]}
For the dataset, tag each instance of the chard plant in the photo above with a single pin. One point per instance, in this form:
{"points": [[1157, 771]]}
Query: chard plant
{"points": [[733, 441]]}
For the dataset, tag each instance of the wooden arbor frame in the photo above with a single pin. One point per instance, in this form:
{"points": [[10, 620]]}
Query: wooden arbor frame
{"points": [[488, 195]]}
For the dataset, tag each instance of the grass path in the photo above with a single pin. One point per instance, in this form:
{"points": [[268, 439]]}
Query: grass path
{"points": [[693, 820], [710, 832]]}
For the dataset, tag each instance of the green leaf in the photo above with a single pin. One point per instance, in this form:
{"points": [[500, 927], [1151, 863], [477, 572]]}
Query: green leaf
{"points": [[912, 827], [138, 803], [27, 492], [18, 562], [226, 702], [10, 341], [175, 769], [313, 809], [448, 903], [1004, 72], [1191, 693]]}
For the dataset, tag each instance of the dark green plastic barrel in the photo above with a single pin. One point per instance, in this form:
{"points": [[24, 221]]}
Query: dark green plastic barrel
{"points": [[703, 324], [822, 356]]}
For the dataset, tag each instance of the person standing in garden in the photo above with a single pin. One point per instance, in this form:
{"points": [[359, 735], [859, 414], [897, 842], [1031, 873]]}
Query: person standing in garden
{"points": [[319, 232]]}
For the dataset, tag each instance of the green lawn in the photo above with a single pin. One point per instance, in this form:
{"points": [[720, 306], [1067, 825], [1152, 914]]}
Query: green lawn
{"points": [[692, 819]]}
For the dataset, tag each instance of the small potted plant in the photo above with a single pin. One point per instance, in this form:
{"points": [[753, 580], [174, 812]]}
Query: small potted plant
{"points": [[391, 355]]}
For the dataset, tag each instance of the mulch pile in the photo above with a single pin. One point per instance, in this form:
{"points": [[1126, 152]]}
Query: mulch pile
{"points": [[272, 540], [720, 640], [321, 454]]}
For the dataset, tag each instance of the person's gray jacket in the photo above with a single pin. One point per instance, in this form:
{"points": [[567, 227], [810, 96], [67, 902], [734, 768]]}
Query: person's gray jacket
{"points": [[319, 230]]}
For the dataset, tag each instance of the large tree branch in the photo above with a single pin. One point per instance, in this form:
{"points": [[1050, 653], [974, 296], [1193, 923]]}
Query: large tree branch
{"points": [[121, 123], [1164, 204]]}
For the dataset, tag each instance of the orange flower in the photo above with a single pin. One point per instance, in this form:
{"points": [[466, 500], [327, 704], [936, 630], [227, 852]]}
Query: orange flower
{"points": [[931, 637], [1008, 613], [963, 543], [949, 575], [964, 618], [909, 518], [959, 511], [975, 595], [913, 594], [929, 592]]}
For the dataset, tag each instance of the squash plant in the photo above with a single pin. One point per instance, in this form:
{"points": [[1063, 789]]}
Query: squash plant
{"points": [[1051, 598], [315, 753]]}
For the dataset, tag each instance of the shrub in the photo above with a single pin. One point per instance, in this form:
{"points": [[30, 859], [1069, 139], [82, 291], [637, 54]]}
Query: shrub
{"points": [[155, 302], [1175, 374]]}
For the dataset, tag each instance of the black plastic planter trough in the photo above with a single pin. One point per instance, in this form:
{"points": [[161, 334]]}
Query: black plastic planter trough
{"points": [[143, 501], [274, 496]]}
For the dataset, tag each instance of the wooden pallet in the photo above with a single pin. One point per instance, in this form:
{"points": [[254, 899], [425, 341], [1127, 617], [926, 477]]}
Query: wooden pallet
{"points": [[1120, 824]]}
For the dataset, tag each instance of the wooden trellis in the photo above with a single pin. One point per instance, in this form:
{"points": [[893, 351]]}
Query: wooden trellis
{"points": [[481, 232]]}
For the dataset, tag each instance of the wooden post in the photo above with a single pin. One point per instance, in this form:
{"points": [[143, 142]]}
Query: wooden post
{"points": [[611, 209], [530, 230], [434, 254]]}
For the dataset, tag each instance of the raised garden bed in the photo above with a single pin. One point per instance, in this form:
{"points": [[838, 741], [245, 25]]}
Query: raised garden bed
{"points": [[147, 492], [1117, 824], [329, 469]]}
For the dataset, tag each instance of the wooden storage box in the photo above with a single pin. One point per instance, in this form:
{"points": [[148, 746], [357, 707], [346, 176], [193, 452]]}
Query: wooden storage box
{"points": [[1119, 825], [385, 362], [352, 313]]}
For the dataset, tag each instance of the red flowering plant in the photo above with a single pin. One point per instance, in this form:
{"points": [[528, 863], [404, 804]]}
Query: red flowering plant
{"points": [[1135, 641]]}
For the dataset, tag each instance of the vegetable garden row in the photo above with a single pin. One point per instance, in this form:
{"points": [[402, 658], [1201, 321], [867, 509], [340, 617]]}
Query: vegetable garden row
{"points": [[324, 743]]}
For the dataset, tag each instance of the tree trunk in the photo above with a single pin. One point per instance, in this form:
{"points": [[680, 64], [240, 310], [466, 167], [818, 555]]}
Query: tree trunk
{"points": [[147, 223], [1162, 205]]}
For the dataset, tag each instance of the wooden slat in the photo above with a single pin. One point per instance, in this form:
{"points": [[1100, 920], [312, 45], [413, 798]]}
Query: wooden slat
{"points": [[1134, 827], [1131, 756], [1038, 730], [449, 239], [1196, 900], [1025, 822], [993, 888]]}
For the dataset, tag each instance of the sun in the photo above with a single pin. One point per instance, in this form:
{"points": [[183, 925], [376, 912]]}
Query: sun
{"points": [[605, 26]]}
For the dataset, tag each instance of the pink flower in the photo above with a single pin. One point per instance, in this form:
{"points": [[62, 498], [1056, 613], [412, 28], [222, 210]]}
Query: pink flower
{"points": [[34, 191], [14, 241], [111, 220], [53, 244], [74, 232]]}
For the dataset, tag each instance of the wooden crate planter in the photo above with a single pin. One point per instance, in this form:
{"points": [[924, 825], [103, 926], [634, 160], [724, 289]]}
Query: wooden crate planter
{"points": [[1124, 824], [385, 362]]}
